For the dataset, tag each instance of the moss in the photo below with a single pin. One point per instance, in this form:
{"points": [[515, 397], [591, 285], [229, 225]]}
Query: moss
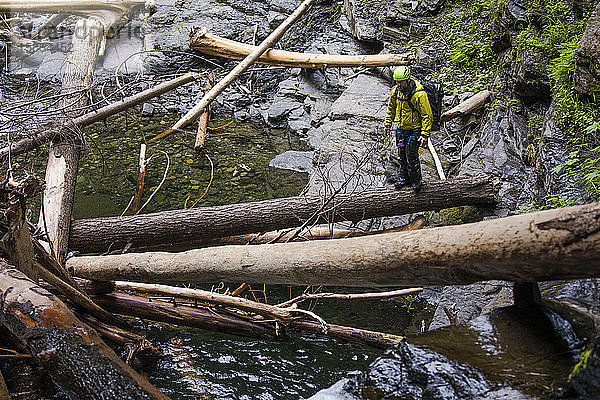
{"points": [[458, 215], [581, 365]]}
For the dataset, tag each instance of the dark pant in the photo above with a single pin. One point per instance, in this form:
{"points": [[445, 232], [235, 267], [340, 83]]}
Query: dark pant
{"points": [[408, 156]]}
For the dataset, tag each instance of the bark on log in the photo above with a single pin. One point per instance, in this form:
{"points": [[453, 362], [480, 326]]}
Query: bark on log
{"points": [[70, 351], [199, 318], [548, 245], [4, 395], [315, 233], [241, 67], [193, 225], [468, 106], [63, 160], [207, 43], [143, 307], [378, 340]]}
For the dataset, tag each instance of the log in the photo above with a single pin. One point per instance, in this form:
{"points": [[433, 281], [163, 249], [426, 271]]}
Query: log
{"points": [[52, 132], [4, 395], [199, 318], [466, 107], [70, 351], [108, 11], [319, 232], [378, 340], [143, 307], [192, 225], [63, 160], [207, 43], [547, 245], [241, 67]]}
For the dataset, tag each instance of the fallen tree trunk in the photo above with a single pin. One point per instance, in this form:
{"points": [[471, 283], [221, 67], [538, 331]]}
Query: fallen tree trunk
{"points": [[144, 307], [547, 245], [473, 103], [70, 351], [207, 43], [315, 233], [196, 317], [193, 225], [63, 159], [107, 10], [241, 67]]}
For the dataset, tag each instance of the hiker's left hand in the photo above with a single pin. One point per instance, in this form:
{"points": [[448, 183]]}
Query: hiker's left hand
{"points": [[423, 141]]}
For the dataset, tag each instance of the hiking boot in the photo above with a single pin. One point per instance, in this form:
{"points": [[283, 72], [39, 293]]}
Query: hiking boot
{"points": [[417, 187], [400, 184]]}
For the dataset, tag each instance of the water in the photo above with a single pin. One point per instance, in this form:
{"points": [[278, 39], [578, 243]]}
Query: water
{"points": [[202, 364], [233, 167]]}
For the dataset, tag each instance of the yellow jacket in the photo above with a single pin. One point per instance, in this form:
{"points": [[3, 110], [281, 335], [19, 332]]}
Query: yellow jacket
{"points": [[399, 110]]}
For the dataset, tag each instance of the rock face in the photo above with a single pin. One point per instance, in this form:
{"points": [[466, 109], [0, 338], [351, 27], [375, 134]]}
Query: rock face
{"points": [[552, 154], [365, 19], [587, 66]]}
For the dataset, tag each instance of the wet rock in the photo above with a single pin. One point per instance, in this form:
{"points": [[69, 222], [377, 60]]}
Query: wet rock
{"points": [[550, 155], [147, 109], [585, 376], [364, 18], [465, 302], [532, 83], [409, 372], [516, 13], [300, 161], [498, 152], [365, 98], [586, 78]]}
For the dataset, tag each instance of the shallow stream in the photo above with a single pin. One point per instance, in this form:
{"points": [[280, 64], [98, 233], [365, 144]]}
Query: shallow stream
{"points": [[206, 365]]}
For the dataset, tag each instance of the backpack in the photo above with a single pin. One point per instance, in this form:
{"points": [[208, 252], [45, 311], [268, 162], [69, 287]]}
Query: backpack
{"points": [[435, 94]]}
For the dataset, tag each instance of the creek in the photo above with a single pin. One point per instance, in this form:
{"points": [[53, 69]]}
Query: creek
{"points": [[508, 347]]}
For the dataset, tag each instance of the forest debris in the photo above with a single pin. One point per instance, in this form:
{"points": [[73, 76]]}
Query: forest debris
{"points": [[207, 43], [70, 351], [197, 225], [547, 245], [241, 67]]}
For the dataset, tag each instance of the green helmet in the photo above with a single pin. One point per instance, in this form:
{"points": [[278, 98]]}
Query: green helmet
{"points": [[401, 73]]}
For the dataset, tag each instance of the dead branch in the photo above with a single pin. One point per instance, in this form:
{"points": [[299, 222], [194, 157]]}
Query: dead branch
{"points": [[241, 67], [352, 296], [207, 43], [52, 132]]}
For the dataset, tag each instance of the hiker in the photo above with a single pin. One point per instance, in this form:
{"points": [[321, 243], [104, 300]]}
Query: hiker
{"points": [[409, 107]]}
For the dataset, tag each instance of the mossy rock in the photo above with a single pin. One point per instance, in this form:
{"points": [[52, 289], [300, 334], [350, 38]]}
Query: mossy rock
{"points": [[458, 215]]}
